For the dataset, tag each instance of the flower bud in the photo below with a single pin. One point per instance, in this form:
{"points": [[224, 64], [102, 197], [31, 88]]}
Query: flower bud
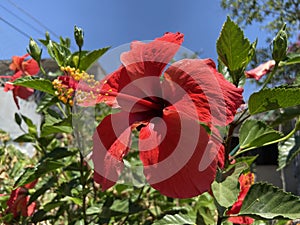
{"points": [[280, 45], [34, 50], [78, 34]]}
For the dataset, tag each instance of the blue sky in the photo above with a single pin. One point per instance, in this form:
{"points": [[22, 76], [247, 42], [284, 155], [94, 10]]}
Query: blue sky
{"points": [[116, 22]]}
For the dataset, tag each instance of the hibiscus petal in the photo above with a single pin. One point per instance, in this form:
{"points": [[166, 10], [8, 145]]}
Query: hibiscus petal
{"points": [[17, 62], [112, 83], [142, 61], [245, 180], [17, 203], [30, 208], [111, 144], [215, 98], [150, 59], [241, 220], [171, 149], [23, 92], [261, 70], [30, 67]]}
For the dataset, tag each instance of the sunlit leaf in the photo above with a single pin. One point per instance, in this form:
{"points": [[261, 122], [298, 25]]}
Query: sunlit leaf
{"points": [[177, 219], [120, 206], [254, 134], [88, 59], [269, 202], [227, 191], [58, 52], [292, 58], [36, 83], [63, 126], [234, 50], [93, 210], [275, 98]]}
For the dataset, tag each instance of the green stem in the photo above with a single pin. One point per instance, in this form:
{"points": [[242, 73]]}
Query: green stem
{"points": [[61, 109], [83, 183], [271, 75], [42, 69], [79, 57], [219, 222], [228, 143], [238, 121]]}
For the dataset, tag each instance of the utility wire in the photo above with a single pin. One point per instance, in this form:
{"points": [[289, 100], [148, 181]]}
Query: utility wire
{"points": [[15, 28], [19, 18], [33, 18]]}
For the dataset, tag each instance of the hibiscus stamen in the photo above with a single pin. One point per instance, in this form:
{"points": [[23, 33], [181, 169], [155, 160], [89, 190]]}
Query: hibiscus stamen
{"points": [[131, 98]]}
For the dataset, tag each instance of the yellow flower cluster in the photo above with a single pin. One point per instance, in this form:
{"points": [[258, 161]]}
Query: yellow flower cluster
{"points": [[66, 85]]}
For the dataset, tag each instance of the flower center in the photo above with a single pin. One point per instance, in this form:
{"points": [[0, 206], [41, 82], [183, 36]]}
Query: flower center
{"points": [[145, 102]]}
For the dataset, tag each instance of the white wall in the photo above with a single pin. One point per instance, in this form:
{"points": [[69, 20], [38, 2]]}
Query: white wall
{"points": [[8, 109]]}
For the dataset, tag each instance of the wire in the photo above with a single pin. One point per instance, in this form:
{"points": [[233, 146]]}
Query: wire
{"points": [[25, 22], [15, 28], [33, 18]]}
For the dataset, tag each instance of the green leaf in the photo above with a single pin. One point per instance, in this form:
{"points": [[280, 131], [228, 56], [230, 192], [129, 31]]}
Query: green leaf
{"points": [[80, 222], [93, 210], [287, 151], [254, 134], [52, 205], [36, 83], [49, 184], [245, 159], [58, 52], [292, 58], [206, 209], [38, 216], [32, 173], [76, 201], [52, 117], [63, 126], [234, 50], [45, 102], [18, 119], [58, 153], [177, 219], [227, 191], [88, 59], [274, 98], [286, 115], [269, 202], [25, 138], [58, 128], [120, 206], [31, 127]]}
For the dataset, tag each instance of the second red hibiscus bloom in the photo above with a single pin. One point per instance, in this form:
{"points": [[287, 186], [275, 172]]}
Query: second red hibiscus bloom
{"points": [[21, 68], [168, 105]]}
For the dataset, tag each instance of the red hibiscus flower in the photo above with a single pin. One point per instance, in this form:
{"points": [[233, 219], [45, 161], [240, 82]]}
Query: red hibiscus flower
{"points": [[18, 201], [261, 70], [21, 68], [166, 104], [245, 180]]}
